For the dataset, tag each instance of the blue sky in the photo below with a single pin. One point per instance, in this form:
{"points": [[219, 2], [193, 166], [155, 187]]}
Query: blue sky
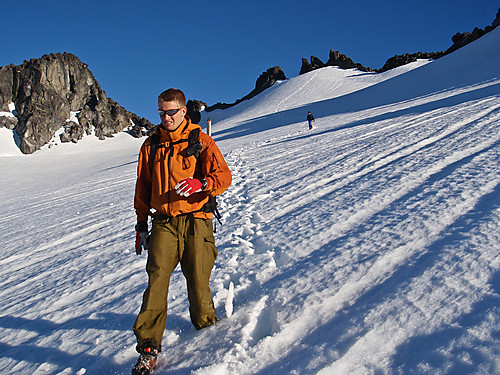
{"points": [[215, 50]]}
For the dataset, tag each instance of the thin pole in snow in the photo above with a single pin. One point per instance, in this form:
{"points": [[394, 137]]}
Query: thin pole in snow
{"points": [[209, 127]]}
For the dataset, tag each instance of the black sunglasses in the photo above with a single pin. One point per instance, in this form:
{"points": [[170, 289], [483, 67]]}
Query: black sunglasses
{"points": [[169, 112]]}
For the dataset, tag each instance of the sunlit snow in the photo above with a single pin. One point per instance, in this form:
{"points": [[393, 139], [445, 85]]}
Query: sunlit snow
{"points": [[368, 245]]}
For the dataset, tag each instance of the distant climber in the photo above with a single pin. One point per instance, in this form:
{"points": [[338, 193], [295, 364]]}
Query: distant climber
{"points": [[310, 119]]}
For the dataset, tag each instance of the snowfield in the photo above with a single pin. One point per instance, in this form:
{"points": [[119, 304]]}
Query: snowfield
{"points": [[368, 245]]}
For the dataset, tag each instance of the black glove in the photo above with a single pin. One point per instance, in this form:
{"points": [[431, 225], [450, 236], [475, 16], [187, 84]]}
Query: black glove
{"points": [[141, 232]]}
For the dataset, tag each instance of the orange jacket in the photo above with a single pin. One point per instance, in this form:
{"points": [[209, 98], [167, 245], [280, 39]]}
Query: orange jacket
{"points": [[170, 166]]}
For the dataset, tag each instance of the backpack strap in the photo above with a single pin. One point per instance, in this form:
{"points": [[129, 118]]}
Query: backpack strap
{"points": [[155, 143], [194, 144]]}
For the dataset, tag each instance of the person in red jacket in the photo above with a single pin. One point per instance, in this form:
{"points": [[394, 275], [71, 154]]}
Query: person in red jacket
{"points": [[174, 189]]}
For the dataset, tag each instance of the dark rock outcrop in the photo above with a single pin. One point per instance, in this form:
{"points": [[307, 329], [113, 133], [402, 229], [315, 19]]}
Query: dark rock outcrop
{"points": [[335, 59], [496, 22], [9, 122], [194, 107], [265, 80], [462, 39], [307, 66], [47, 90], [407, 58], [344, 62]]}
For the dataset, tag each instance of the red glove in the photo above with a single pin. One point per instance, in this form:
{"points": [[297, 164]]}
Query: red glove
{"points": [[189, 186], [140, 242]]}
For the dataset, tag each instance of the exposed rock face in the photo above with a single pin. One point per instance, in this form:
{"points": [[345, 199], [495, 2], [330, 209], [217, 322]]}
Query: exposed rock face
{"points": [[46, 91], [194, 107], [344, 62], [461, 39], [496, 22], [265, 80], [9, 122], [307, 66], [335, 59], [407, 58]]}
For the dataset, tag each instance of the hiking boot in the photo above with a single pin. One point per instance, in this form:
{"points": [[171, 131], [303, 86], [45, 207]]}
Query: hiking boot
{"points": [[146, 362]]}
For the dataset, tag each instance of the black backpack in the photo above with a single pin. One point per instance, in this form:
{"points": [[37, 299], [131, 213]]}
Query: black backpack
{"points": [[194, 148]]}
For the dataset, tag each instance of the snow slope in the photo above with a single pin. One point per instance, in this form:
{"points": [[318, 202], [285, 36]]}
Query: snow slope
{"points": [[369, 245]]}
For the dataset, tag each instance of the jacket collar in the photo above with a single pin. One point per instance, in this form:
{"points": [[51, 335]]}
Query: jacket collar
{"points": [[180, 133]]}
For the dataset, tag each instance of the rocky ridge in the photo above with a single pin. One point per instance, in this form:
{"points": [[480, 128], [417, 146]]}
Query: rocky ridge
{"points": [[335, 59], [265, 80], [58, 92], [342, 61]]}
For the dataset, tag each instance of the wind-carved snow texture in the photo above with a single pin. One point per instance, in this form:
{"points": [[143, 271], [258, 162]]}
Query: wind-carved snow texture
{"points": [[369, 245]]}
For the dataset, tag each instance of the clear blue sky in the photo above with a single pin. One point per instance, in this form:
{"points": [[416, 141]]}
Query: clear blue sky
{"points": [[215, 50]]}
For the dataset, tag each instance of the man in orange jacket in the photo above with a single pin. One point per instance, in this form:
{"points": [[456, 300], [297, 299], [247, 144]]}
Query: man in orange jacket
{"points": [[174, 189]]}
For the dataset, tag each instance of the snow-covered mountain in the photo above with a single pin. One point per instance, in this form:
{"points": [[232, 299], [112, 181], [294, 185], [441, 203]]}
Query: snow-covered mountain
{"points": [[368, 245]]}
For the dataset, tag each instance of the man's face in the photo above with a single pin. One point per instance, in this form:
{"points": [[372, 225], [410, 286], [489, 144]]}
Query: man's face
{"points": [[172, 122]]}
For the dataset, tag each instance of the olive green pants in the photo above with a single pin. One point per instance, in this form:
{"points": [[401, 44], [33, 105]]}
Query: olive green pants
{"points": [[189, 241]]}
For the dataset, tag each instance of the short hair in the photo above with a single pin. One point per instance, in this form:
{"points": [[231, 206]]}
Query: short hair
{"points": [[173, 95]]}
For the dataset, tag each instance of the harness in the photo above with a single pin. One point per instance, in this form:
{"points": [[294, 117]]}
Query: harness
{"points": [[193, 149]]}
